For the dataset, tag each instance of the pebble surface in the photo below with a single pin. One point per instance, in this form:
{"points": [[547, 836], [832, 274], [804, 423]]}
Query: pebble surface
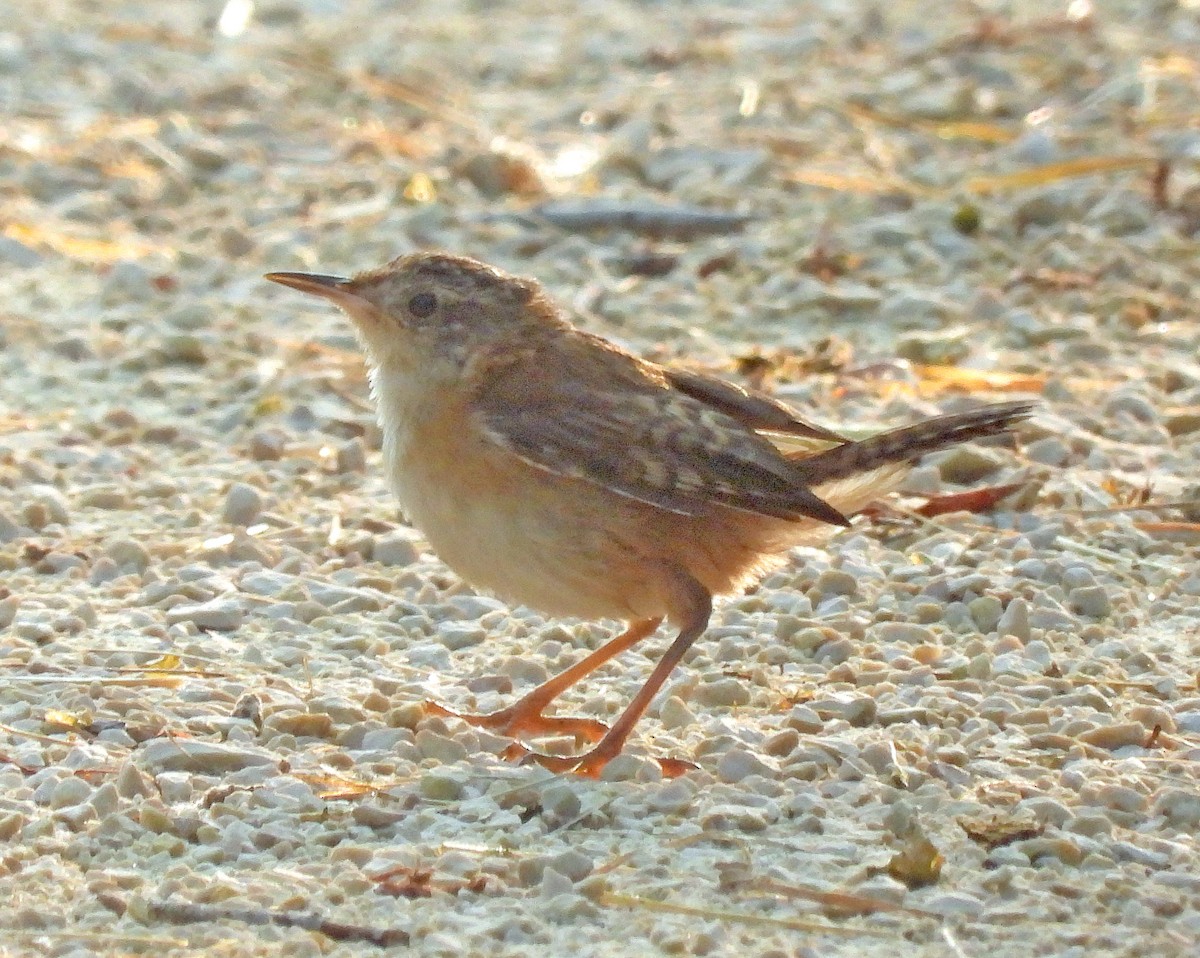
{"points": [[216, 630]]}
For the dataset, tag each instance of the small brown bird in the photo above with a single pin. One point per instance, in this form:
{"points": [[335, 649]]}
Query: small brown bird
{"points": [[556, 470]]}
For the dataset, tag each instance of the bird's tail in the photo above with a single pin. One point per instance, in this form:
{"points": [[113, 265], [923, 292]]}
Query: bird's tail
{"points": [[908, 443]]}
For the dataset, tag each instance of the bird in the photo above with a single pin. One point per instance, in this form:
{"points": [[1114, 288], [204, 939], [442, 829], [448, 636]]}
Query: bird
{"points": [[556, 470]]}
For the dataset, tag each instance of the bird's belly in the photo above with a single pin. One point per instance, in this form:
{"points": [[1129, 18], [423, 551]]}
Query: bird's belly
{"points": [[525, 536]]}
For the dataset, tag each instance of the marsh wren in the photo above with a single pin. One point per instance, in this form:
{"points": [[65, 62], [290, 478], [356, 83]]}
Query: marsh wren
{"points": [[556, 470]]}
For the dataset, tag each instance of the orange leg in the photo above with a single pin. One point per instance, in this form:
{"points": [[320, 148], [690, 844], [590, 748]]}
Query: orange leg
{"points": [[591, 764], [525, 717]]}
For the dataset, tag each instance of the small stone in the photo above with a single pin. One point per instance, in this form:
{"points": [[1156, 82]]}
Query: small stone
{"points": [[220, 615], [503, 167], [14, 253], [458, 636], [953, 903], [104, 498], [9, 530], [1132, 403], [352, 456], [804, 720], [207, 156], [903, 633], [555, 884], [673, 797], [1045, 209], [127, 553], [385, 739], [986, 611], [70, 791], [723, 691], [738, 763], [74, 348], [1183, 422], [782, 743], [440, 748], [8, 610], [1090, 823], [572, 863], [243, 505], [302, 724], [75, 817], [1046, 846], [967, 464], [193, 755], [132, 783], [440, 786], [627, 767], [1115, 736], [560, 804], [105, 800], [377, 815], [1121, 797], [47, 505], [1047, 811], [189, 316], [1049, 450], [127, 280], [1153, 716], [674, 713], [836, 582], [1014, 620], [268, 445], [185, 348], [482, 684], [1092, 601], [11, 825], [733, 818], [396, 548], [1180, 806], [235, 244], [943, 347], [857, 710]]}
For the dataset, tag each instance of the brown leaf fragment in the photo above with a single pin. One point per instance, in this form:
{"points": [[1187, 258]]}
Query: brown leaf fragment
{"points": [[1052, 279], [405, 881], [918, 863], [722, 262], [1160, 177], [997, 830], [973, 380], [179, 912], [973, 500], [835, 904], [1055, 172], [1185, 532]]}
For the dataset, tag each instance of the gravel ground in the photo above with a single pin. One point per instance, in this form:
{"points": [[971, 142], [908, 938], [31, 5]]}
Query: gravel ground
{"points": [[971, 735]]}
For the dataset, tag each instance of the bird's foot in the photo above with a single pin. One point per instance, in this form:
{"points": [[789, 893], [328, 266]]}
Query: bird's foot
{"points": [[517, 722], [588, 765]]}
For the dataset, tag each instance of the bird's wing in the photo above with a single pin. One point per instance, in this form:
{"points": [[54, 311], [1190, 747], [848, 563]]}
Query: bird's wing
{"points": [[750, 408], [627, 431]]}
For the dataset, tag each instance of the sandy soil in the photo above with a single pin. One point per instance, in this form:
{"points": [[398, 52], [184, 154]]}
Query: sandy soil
{"points": [[976, 734]]}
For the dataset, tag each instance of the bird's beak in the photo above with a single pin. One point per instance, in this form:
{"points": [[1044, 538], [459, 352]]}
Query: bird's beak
{"points": [[342, 292], [318, 284]]}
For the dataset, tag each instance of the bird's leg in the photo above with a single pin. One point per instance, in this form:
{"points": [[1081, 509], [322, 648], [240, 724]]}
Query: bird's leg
{"points": [[591, 763], [524, 717]]}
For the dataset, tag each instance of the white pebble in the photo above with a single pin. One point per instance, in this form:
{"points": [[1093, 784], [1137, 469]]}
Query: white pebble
{"points": [[738, 763], [220, 615], [243, 505], [396, 548]]}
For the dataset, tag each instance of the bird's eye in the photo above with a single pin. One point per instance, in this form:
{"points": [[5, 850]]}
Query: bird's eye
{"points": [[422, 305]]}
